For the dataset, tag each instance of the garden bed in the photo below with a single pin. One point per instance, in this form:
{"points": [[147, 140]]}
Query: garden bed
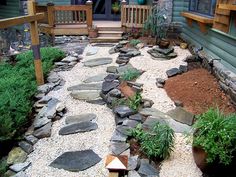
{"points": [[198, 90]]}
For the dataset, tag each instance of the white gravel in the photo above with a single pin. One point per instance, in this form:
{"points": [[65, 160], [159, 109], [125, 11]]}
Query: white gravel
{"points": [[180, 164], [48, 149]]}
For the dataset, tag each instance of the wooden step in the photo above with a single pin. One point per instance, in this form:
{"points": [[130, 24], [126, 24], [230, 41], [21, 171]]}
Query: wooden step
{"points": [[110, 33], [110, 29], [105, 39]]}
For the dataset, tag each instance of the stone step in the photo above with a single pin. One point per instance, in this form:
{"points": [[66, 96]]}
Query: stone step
{"points": [[105, 39], [110, 29], [110, 33]]}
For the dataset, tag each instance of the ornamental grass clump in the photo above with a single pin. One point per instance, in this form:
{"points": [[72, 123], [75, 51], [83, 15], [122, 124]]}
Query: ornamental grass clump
{"points": [[215, 133], [156, 143], [130, 74]]}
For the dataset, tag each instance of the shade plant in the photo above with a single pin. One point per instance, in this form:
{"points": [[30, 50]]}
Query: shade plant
{"points": [[157, 142], [215, 133], [17, 88]]}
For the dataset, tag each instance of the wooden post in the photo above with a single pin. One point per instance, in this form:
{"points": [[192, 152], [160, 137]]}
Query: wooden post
{"points": [[35, 43], [89, 13], [123, 2], [51, 20]]}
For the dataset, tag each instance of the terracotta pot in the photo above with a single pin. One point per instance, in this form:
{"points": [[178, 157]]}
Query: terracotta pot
{"points": [[164, 43], [200, 156], [93, 33]]}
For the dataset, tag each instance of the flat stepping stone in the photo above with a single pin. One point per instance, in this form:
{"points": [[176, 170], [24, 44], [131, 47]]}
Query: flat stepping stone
{"points": [[164, 51], [176, 126], [108, 86], [117, 136], [147, 169], [76, 160], [44, 131], [80, 118], [78, 128], [153, 112], [123, 111], [111, 69], [97, 78], [19, 166], [180, 115], [85, 95], [92, 51], [172, 72], [118, 147], [98, 62], [120, 70], [93, 86]]}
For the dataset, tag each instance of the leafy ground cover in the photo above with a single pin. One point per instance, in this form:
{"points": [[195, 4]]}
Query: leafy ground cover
{"points": [[17, 88]]}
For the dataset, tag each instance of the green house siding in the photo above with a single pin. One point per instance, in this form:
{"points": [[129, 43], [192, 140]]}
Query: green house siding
{"points": [[56, 2], [218, 44], [12, 9]]}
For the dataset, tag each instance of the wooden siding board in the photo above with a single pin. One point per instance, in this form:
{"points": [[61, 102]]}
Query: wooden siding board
{"points": [[215, 43]]}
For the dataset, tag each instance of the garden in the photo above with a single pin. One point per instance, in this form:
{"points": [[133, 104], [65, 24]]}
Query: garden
{"points": [[152, 104]]}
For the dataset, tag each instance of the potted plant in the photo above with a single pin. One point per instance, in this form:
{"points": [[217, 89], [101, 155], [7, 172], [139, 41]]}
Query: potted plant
{"points": [[214, 140], [116, 7], [93, 32], [157, 24]]}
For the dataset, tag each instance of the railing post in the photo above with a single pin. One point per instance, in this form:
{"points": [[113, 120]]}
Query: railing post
{"points": [[35, 44], [51, 20], [89, 13], [123, 2]]}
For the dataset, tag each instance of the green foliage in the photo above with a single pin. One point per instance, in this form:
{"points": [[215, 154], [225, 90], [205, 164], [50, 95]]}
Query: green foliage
{"points": [[216, 134], [17, 87], [156, 22], [134, 42], [135, 102], [3, 166], [130, 74], [158, 142], [116, 6], [121, 101]]}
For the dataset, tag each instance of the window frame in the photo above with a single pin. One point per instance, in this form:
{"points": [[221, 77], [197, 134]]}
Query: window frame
{"points": [[211, 11]]}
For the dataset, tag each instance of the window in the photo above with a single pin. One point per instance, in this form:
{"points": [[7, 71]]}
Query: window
{"points": [[3, 2], [206, 7]]}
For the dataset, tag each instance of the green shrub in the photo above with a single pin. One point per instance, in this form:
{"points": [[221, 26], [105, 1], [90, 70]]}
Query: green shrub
{"points": [[216, 134], [17, 88], [3, 166], [158, 142], [134, 42], [135, 102], [130, 74]]}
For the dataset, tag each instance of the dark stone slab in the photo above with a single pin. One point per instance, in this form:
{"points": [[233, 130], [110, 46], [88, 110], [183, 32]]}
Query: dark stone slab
{"points": [[108, 86], [117, 136], [172, 72], [147, 169], [111, 69], [164, 51], [124, 129], [111, 77], [115, 93], [180, 115], [91, 86], [137, 117], [76, 160], [118, 147], [80, 118], [44, 131], [28, 148], [97, 62], [123, 111], [130, 123], [78, 127], [133, 162]]}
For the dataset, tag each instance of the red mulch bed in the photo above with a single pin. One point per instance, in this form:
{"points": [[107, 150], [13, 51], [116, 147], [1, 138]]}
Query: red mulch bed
{"points": [[198, 90]]}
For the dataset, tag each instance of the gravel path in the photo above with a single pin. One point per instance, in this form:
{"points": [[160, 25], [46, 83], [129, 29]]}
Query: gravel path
{"points": [[48, 149], [180, 164]]}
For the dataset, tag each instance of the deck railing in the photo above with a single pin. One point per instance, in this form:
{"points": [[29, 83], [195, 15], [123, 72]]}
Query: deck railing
{"points": [[134, 15], [68, 14]]}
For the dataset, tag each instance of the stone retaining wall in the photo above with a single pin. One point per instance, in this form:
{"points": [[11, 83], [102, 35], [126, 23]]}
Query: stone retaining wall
{"points": [[226, 78]]}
